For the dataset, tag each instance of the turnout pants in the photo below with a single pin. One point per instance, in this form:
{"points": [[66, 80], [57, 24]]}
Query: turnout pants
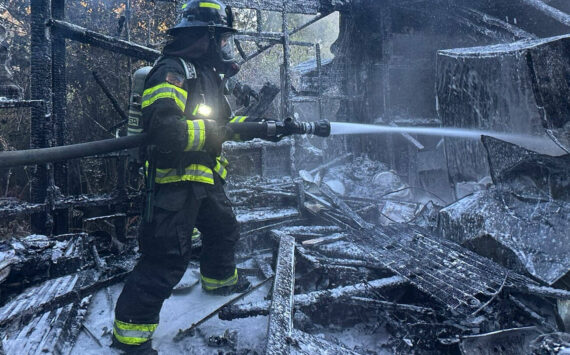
{"points": [[165, 246]]}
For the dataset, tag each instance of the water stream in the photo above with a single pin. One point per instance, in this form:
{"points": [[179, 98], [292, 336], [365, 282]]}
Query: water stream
{"points": [[543, 145]]}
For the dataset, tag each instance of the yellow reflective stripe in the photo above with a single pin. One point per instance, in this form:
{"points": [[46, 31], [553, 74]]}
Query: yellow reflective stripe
{"points": [[129, 340], [184, 6], [220, 169], [210, 5], [223, 161], [211, 284], [134, 130], [165, 85], [165, 91], [133, 334], [196, 135], [193, 172], [238, 119], [196, 234]]}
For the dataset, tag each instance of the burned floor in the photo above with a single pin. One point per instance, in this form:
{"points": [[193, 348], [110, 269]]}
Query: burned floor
{"points": [[359, 244]]}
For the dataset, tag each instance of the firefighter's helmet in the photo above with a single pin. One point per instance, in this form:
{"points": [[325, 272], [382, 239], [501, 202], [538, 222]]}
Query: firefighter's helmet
{"points": [[212, 14]]}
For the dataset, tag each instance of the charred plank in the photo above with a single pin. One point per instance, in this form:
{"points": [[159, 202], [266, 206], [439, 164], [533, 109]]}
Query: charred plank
{"points": [[113, 44], [281, 309], [310, 299]]}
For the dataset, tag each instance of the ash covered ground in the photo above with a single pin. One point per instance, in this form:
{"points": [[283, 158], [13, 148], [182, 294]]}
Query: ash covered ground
{"points": [[370, 271]]}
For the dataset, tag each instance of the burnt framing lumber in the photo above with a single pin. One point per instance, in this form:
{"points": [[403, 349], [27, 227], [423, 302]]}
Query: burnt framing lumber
{"points": [[549, 11], [306, 344], [83, 35], [281, 310], [64, 296], [41, 73], [59, 87], [310, 299], [306, 7], [22, 104], [110, 96]]}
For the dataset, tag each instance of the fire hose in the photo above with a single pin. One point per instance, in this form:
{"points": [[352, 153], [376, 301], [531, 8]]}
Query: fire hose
{"points": [[272, 130]]}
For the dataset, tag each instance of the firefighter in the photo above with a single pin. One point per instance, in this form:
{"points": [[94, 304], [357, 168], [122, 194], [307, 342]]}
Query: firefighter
{"points": [[183, 106]]}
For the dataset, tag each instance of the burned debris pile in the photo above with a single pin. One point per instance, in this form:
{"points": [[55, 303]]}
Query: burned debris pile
{"points": [[416, 280], [394, 266], [395, 269], [523, 221], [47, 285]]}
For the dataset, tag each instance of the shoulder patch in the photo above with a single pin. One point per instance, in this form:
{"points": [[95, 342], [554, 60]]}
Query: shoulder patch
{"points": [[175, 79]]}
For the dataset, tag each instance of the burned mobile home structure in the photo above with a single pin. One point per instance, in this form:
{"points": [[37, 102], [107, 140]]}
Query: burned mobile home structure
{"points": [[487, 273]]}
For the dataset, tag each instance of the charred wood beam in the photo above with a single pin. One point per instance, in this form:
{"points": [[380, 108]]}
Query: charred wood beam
{"points": [[63, 298], [328, 192], [60, 129], [95, 200], [550, 11], [303, 26], [110, 96], [549, 327], [310, 299], [271, 37], [544, 291], [12, 208], [22, 103], [509, 341], [281, 309], [389, 306], [110, 43], [286, 67], [307, 344], [293, 6], [495, 22], [41, 67], [19, 208]]}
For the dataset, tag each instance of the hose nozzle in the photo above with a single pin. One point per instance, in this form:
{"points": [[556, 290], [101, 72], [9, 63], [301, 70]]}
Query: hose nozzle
{"points": [[320, 128]]}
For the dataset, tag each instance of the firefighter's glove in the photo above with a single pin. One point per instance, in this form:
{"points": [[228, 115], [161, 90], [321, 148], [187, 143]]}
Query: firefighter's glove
{"points": [[215, 137]]}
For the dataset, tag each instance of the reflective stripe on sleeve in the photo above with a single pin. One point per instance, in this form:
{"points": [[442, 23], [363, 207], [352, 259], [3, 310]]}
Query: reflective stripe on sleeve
{"points": [[196, 135], [165, 91], [212, 284], [238, 119], [220, 167], [133, 334]]}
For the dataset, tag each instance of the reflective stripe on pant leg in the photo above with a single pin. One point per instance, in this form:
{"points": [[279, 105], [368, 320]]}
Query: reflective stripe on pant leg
{"points": [[133, 334], [212, 284]]}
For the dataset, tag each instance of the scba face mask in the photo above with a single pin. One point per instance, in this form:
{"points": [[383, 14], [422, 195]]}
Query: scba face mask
{"points": [[227, 46], [224, 55]]}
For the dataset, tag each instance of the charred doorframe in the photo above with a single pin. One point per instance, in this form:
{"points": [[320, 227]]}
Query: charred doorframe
{"points": [[284, 38], [48, 120]]}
